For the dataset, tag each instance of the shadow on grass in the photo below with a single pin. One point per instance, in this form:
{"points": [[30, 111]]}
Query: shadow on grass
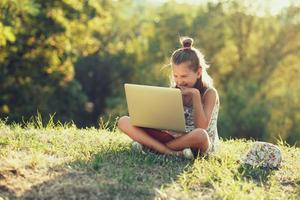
{"points": [[109, 175]]}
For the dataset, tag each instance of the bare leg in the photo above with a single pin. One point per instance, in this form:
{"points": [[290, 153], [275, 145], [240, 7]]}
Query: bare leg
{"points": [[196, 139], [142, 137]]}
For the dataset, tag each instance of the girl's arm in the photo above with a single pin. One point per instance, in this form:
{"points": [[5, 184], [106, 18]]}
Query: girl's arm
{"points": [[203, 109]]}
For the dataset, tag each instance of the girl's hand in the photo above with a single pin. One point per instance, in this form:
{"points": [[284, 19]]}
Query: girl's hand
{"points": [[189, 91]]}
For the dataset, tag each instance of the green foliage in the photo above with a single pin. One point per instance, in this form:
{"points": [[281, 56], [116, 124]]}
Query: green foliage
{"points": [[73, 57]]}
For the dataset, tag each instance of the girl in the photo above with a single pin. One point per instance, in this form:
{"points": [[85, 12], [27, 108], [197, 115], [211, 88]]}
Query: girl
{"points": [[201, 106]]}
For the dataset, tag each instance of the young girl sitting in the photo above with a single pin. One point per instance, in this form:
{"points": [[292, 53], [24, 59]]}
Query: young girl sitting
{"points": [[201, 106]]}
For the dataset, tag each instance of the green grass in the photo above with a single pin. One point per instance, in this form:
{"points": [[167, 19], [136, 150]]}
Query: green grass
{"points": [[63, 162]]}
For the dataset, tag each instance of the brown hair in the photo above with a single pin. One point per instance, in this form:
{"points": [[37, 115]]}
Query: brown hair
{"points": [[187, 53]]}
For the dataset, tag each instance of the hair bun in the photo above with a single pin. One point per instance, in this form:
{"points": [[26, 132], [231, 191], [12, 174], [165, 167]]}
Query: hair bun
{"points": [[186, 42]]}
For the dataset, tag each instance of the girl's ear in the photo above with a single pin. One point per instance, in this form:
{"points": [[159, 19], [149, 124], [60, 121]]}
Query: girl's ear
{"points": [[199, 72]]}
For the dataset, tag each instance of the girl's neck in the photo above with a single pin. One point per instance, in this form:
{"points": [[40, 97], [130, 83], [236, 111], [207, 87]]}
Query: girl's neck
{"points": [[200, 86]]}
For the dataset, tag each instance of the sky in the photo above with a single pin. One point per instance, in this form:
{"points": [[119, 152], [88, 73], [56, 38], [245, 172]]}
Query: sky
{"points": [[273, 6]]}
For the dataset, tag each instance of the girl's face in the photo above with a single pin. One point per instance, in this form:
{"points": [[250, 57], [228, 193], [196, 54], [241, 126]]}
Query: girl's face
{"points": [[184, 76]]}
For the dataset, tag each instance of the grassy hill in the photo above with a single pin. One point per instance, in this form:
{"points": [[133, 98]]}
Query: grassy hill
{"points": [[63, 162]]}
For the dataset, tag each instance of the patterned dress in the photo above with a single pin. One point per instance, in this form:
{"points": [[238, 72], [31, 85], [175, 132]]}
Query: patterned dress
{"points": [[212, 127]]}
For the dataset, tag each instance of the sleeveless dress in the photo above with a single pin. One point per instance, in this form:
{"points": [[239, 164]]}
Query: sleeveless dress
{"points": [[212, 127]]}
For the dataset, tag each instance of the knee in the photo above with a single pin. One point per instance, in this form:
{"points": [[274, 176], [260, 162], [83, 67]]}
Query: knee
{"points": [[123, 123], [200, 135]]}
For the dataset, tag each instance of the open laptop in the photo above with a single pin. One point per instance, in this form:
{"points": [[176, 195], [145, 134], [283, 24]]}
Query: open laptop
{"points": [[155, 107]]}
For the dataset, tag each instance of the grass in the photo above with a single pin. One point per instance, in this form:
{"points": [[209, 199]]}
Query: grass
{"points": [[62, 162]]}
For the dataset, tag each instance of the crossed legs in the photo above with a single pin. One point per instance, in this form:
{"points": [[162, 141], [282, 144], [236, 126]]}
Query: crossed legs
{"points": [[197, 139]]}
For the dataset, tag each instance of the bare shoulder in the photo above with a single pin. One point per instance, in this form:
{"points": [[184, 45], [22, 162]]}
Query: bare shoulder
{"points": [[211, 95]]}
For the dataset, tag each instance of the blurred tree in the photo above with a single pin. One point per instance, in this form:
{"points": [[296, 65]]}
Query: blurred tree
{"points": [[36, 58], [73, 57], [257, 48]]}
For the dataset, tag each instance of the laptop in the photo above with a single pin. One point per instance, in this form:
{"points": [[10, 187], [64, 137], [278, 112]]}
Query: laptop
{"points": [[155, 107]]}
